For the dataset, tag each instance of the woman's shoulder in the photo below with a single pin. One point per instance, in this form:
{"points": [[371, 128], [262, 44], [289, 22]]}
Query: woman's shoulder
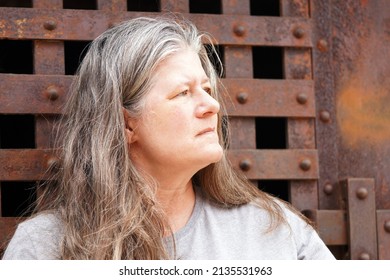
{"points": [[38, 237]]}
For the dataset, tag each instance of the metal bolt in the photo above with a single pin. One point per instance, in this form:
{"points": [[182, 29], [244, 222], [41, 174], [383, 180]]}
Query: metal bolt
{"points": [[328, 189], [242, 97], [325, 116], [302, 98], [387, 226], [299, 32], [245, 164], [52, 93], [362, 193], [364, 256], [239, 30], [322, 45], [305, 164], [50, 25]]}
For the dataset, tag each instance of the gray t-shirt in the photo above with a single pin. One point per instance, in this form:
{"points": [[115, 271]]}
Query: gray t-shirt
{"points": [[211, 233]]}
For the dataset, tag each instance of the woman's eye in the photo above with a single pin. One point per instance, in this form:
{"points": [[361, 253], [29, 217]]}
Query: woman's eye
{"points": [[183, 93], [208, 90]]}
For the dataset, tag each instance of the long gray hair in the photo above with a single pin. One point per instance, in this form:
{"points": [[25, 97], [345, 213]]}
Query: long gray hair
{"points": [[108, 208]]}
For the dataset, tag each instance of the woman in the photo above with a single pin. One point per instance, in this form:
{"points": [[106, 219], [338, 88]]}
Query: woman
{"points": [[144, 173]]}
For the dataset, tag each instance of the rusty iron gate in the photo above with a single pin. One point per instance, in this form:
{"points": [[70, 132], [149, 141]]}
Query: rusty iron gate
{"points": [[309, 85]]}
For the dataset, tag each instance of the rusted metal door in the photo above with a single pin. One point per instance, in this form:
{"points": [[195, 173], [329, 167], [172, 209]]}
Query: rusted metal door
{"points": [[309, 89]]}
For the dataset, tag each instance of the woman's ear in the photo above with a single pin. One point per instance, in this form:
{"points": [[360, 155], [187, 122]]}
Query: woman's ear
{"points": [[129, 124]]}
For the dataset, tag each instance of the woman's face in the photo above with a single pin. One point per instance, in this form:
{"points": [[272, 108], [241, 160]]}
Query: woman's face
{"points": [[178, 129]]}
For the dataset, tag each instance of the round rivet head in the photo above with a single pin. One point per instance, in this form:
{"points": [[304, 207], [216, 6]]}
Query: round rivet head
{"points": [[245, 164], [322, 45], [242, 97], [362, 193], [328, 189], [52, 93], [302, 98], [239, 30], [325, 116], [50, 25], [299, 32], [305, 164], [364, 256], [387, 226]]}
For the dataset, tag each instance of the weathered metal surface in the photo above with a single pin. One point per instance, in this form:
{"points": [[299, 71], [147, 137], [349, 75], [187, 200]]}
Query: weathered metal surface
{"points": [[237, 7], [284, 98], [360, 197], [276, 164], [177, 6], [112, 5], [45, 131], [303, 194], [53, 4], [383, 229], [361, 54], [238, 62], [297, 63], [25, 165], [331, 225], [46, 94], [263, 164], [295, 8], [21, 23], [326, 132], [300, 131], [7, 228], [49, 57], [32, 94]]}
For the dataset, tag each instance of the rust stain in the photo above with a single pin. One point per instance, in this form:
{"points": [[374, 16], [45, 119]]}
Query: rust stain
{"points": [[364, 3], [20, 23], [364, 114], [2, 27], [363, 110]]}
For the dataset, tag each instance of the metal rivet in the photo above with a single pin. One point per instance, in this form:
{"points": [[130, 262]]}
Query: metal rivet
{"points": [[328, 189], [239, 30], [50, 25], [362, 193], [305, 164], [52, 93], [387, 226], [364, 256], [245, 164], [299, 32], [325, 116], [302, 98], [242, 97], [322, 45]]}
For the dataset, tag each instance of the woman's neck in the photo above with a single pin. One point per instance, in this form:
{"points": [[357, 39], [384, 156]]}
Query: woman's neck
{"points": [[177, 202]]}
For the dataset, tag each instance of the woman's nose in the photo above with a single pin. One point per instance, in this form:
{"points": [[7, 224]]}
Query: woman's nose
{"points": [[207, 105]]}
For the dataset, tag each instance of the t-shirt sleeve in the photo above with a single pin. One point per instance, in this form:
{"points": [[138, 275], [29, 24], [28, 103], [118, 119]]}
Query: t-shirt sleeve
{"points": [[35, 239], [20, 247], [309, 244]]}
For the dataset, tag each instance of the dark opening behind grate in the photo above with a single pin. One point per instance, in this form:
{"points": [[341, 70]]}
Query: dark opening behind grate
{"points": [[17, 198], [205, 6], [80, 5], [265, 8], [143, 5], [16, 56]]}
